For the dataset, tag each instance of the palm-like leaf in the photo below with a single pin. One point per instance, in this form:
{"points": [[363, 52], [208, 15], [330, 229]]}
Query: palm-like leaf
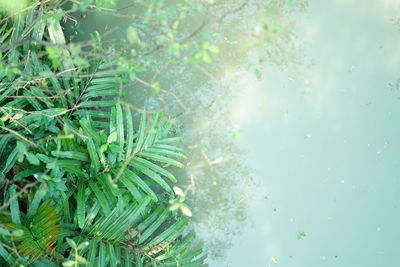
{"points": [[39, 234], [139, 238], [73, 131]]}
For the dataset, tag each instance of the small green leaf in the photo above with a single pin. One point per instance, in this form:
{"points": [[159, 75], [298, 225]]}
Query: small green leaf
{"points": [[21, 148], [32, 159], [141, 133], [70, 155], [112, 138], [68, 263], [83, 245], [17, 232], [12, 158], [129, 134], [185, 210], [82, 260], [100, 197], [15, 213], [54, 53], [120, 129], [81, 203], [71, 243], [93, 155]]}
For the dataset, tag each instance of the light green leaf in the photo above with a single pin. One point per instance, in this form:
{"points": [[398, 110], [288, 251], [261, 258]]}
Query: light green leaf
{"points": [[100, 197], [68, 263], [93, 155], [141, 133], [81, 204], [71, 243], [129, 134], [15, 213], [32, 159]]}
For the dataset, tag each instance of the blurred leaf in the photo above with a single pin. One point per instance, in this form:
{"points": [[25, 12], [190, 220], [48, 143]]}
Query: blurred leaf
{"points": [[32, 159], [54, 54]]}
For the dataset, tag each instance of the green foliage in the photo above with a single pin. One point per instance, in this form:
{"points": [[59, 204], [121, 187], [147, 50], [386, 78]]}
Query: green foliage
{"points": [[84, 184], [12, 7], [39, 234]]}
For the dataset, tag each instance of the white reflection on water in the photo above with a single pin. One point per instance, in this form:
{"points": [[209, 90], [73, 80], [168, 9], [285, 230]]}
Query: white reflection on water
{"points": [[250, 99], [325, 154]]}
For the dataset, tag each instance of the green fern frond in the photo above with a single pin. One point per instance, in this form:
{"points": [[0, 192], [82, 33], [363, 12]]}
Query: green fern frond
{"points": [[39, 234], [80, 149]]}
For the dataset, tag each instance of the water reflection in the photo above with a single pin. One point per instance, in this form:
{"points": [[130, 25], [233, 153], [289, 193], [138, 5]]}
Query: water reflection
{"points": [[212, 103]]}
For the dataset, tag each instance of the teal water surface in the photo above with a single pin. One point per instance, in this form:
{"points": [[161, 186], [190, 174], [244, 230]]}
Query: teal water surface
{"points": [[324, 144]]}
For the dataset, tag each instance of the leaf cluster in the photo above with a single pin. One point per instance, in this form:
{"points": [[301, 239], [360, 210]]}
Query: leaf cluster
{"points": [[81, 183]]}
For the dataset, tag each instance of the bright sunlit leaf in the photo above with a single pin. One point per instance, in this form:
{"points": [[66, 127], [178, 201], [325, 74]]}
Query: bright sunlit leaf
{"points": [[178, 191]]}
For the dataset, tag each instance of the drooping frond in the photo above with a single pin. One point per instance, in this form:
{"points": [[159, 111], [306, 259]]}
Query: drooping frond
{"points": [[91, 173], [139, 238], [38, 234]]}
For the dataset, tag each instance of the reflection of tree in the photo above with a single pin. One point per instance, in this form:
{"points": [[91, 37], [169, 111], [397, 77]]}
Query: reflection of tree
{"points": [[248, 33], [220, 183], [216, 173], [220, 179]]}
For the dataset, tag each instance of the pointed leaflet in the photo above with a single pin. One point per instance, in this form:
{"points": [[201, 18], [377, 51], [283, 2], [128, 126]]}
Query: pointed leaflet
{"points": [[98, 103], [113, 226], [12, 158], [88, 130], [132, 214], [149, 220], [171, 231], [101, 93], [102, 255], [71, 155], [127, 258], [113, 136], [154, 226], [129, 131], [153, 130], [7, 256], [92, 253], [141, 133], [65, 205], [154, 167], [81, 205], [161, 159], [166, 152], [15, 213], [178, 247], [44, 229], [131, 187], [34, 204], [107, 184], [154, 176], [169, 140], [95, 165], [120, 129], [111, 254], [100, 197], [133, 177]]}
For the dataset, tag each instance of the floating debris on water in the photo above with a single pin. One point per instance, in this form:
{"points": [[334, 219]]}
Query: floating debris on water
{"points": [[388, 144], [300, 235]]}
